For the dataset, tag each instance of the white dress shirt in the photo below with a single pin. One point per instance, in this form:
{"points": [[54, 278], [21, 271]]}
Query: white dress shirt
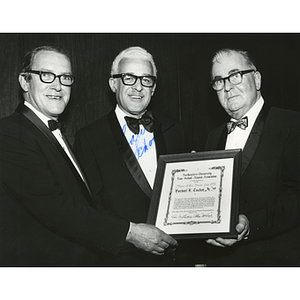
{"points": [[56, 133], [238, 137], [142, 145]]}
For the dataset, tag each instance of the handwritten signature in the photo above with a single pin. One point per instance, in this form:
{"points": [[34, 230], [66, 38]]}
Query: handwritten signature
{"points": [[142, 145], [192, 215]]}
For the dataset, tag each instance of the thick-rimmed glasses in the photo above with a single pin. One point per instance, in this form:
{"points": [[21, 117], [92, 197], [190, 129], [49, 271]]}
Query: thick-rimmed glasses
{"points": [[234, 78], [49, 77], [130, 79]]}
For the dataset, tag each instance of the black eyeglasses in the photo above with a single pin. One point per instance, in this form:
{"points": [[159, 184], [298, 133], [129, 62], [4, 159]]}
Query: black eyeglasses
{"points": [[130, 79], [234, 78], [49, 77]]}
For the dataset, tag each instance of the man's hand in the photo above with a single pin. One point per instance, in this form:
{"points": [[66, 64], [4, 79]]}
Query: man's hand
{"points": [[242, 229], [149, 238]]}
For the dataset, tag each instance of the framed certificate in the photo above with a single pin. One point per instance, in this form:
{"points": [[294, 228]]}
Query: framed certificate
{"points": [[196, 195]]}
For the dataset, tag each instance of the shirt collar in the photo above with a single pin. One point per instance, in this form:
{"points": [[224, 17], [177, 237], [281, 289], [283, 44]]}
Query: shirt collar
{"points": [[121, 115], [41, 116], [253, 112]]}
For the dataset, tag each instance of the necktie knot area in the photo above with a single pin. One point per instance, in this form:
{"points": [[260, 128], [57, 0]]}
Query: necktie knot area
{"points": [[53, 125], [241, 123], [146, 120]]}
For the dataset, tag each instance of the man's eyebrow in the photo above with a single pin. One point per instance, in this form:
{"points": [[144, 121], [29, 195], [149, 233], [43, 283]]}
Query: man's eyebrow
{"points": [[143, 74], [51, 71], [229, 73], [233, 71], [45, 70]]}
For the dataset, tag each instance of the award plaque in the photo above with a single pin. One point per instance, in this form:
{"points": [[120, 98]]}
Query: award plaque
{"points": [[196, 195]]}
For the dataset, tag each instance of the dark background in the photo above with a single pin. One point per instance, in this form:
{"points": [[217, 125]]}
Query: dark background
{"points": [[183, 62]]}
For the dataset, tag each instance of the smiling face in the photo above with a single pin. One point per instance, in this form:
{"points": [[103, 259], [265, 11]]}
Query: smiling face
{"points": [[48, 98], [237, 100], [133, 99]]}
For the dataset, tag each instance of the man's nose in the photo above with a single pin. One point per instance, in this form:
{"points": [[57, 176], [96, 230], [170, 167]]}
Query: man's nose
{"points": [[56, 84], [138, 85], [227, 85]]}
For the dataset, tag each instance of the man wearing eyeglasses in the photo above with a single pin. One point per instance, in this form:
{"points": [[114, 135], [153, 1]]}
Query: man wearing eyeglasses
{"points": [[47, 213], [119, 151], [268, 229]]}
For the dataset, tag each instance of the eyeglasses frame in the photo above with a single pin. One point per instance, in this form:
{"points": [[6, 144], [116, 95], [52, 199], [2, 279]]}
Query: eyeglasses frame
{"points": [[58, 76], [242, 72], [136, 78]]}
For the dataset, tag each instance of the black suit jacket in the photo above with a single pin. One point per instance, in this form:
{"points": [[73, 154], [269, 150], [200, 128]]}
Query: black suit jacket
{"points": [[269, 194], [47, 214], [115, 176]]}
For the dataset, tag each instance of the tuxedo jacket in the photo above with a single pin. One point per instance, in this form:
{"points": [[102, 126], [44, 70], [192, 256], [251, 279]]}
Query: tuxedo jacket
{"points": [[115, 176], [269, 191], [47, 214]]}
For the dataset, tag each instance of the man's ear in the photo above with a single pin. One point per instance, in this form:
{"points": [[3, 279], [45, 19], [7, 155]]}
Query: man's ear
{"points": [[153, 90], [257, 78], [112, 84], [23, 83]]}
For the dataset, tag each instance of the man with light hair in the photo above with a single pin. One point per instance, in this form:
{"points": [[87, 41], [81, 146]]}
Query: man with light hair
{"points": [[268, 229], [119, 152], [133, 52]]}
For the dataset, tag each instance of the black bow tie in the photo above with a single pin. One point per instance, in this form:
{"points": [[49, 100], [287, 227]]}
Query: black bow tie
{"points": [[242, 123], [53, 125], [146, 120]]}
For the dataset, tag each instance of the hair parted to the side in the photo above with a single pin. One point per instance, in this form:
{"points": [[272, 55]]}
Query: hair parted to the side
{"points": [[228, 51], [132, 52], [30, 56]]}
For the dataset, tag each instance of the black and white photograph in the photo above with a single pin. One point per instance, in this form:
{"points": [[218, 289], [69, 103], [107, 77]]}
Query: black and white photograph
{"points": [[90, 123]]}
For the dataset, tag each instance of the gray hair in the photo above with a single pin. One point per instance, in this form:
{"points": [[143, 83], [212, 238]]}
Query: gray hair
{"points": [[228, 51], [129, 53]]}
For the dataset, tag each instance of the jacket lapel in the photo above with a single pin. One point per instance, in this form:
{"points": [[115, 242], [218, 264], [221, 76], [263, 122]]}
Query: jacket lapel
{"points": [[222, 140], [254, 137], [31, 116], [252, 141], [160, 143], [128, 155]]}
